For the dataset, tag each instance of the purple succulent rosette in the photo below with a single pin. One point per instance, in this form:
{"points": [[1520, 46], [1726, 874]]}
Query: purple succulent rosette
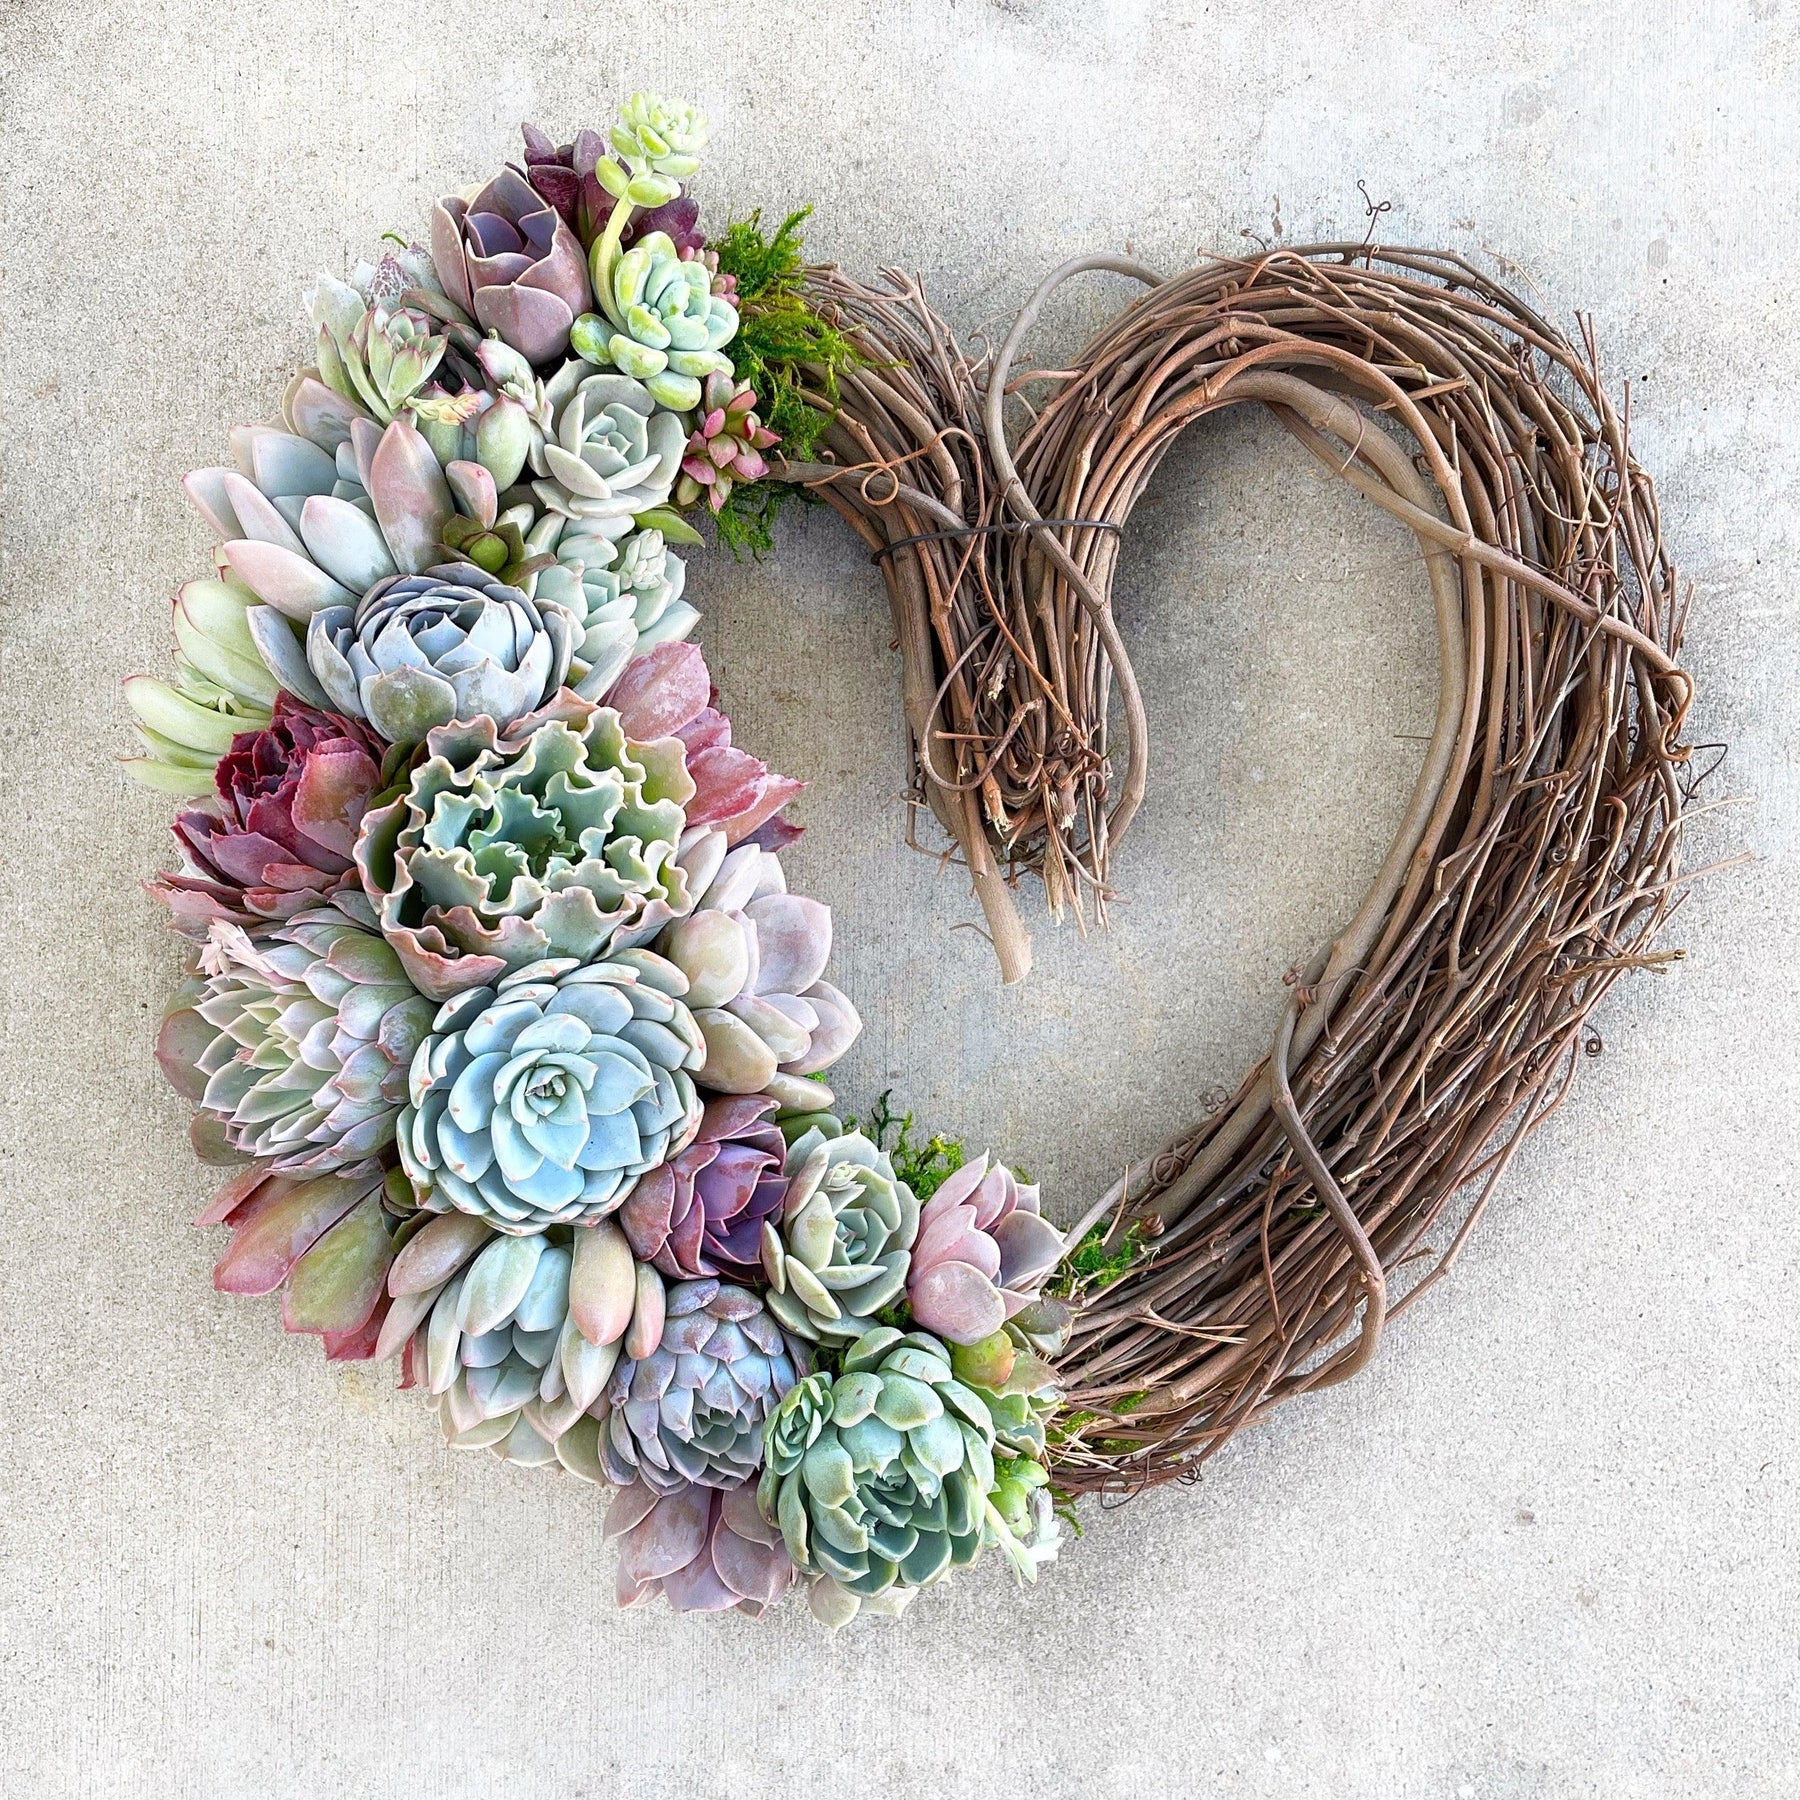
{"points": [[508, 258], [498, 1008]]}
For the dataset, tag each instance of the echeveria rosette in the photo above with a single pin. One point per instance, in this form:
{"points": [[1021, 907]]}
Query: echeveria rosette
{"points": [[705, 1210], [881, 1476], [557, 837], [727, 445], [626, 593], [983, 1252], [514, 1336], [541, 1100], [297, 1042], [373, 348], [507, 258], [419, 651], [704, 1549], [692, 1409], [839, 1252], [613, 454], [280, 837], [755, 956], [662, 323]]}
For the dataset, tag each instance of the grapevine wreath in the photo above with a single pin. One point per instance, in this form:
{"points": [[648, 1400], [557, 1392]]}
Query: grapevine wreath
{"points": [[501, 1012]]}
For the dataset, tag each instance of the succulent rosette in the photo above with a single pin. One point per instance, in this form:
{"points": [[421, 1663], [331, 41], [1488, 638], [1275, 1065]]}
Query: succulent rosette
{"points": [[755, 957], [704, 1549], [883, 1476], [705, 1210], [727, 445], [983, 1252], [507, 258], [625, 593], [559, 837], [613, 453], [280, 837], [662, 323], [839, 1251], [424, 650], [297, 1042], [540, 1101], [691, 1410]]}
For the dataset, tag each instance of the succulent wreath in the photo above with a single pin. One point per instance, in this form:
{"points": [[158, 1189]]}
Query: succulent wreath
{"points": [[501, 1012]]}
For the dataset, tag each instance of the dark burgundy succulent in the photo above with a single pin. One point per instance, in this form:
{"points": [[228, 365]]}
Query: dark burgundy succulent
{"points": [[564, 176], [702, 1212], [282, 833]]}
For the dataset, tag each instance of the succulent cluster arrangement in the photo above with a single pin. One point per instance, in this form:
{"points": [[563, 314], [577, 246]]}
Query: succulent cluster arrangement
{"points": [[498, 1007]]}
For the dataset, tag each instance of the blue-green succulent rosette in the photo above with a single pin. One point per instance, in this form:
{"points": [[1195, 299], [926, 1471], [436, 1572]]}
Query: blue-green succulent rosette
{"points": [[499, 1013]]}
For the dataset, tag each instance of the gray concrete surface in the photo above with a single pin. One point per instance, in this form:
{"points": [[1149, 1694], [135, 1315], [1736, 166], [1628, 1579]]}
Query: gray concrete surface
{"points": [[1548, 1546]]}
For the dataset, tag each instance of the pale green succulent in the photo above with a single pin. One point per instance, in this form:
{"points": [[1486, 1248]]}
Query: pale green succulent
{"points": [[373, 348], [221, 688], [613, 456], [884, 1477], [298, 1041], [659, 137], [663, 324], [626, 592], [841, 1247]]}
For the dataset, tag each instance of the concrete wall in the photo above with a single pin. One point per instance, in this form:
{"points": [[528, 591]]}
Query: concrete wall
{"points": [[1546, 1546]]}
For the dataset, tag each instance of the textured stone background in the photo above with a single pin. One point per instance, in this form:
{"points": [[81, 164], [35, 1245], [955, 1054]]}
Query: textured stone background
{"points": [[1547, 1546]]}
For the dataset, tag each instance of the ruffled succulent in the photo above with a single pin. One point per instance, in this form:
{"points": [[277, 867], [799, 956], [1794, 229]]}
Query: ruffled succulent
{"points": [[626, 592], [840, 1249], [541, 1100], [613, 455], [297, 1042], [705, 1549], [558, 836], [508, 259], [754, 956], [693, 1409], [222, 690], [280, 837], [984, 1250], [726, 446], [882, 1475], [325, 1242], [373, 348], [660, 322], [453, 643], [704, 1211]]}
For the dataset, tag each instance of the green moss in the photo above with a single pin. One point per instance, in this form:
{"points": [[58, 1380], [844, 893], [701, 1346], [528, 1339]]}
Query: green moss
{"points": [[1091, 1266], [923, 1167], [781, 346]]}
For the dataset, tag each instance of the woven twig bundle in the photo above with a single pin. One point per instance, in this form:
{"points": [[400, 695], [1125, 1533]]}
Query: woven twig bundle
{"points": [[1537, 859]]}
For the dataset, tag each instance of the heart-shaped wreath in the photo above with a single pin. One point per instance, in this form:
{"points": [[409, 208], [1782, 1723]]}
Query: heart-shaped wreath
{"points": [[498, 1001]]}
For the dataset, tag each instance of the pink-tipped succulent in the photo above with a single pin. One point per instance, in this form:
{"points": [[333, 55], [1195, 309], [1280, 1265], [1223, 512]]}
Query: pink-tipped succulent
{"points": [[726, 446], [982, 1253]]}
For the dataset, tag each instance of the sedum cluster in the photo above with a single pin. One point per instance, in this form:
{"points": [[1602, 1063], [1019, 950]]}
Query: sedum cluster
{"points": [[498, 1007]]}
